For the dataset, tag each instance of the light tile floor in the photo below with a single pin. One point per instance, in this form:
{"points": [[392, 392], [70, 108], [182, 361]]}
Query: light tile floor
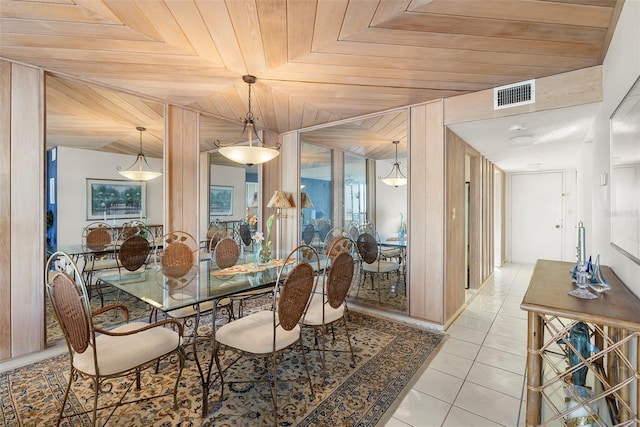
{"points": [[478, 377]]}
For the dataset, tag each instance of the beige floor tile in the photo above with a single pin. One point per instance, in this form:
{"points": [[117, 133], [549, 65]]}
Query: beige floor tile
{"points": [[466, 334], [421, 410], [473, 323], [451, 364], [487, 403], [496, 379], [439, 385], [394, 422], [458, 417], [461, 348], [508, 344], [501, 359]]}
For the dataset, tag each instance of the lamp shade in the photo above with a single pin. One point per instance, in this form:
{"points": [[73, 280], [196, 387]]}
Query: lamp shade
{"points": [[279, 200], [139, 173], [305, 201], [249, 154], [395, 178]]}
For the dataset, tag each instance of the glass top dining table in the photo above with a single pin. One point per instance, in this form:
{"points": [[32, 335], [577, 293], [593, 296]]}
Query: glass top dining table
{"points": [[201, 283]]}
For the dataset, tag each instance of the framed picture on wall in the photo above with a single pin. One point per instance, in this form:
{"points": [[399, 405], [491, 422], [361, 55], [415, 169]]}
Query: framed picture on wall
{"points": [[113, 199], [220, 200]]}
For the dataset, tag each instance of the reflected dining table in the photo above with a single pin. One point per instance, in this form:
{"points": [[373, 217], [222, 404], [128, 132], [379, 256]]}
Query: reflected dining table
{"points": [[202, 283]]}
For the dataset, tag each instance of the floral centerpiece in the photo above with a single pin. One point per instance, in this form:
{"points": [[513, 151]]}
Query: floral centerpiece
{"points": [[263, 245]]}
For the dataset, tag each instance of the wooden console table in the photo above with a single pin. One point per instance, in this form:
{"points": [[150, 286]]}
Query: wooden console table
{"points": [[614, 323]]}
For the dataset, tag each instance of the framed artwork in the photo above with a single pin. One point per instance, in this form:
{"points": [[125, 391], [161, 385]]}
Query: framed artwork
{"points": [[113, 199], [625, 175], [220, 200]]}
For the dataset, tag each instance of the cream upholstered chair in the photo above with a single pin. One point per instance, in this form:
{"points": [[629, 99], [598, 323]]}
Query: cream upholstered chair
{"points": [[99, 354], [371, 263], [329, 306], [268, 333]]}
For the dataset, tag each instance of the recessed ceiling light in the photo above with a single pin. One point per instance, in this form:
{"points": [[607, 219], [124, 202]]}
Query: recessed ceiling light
{"points": [[520, 141]]}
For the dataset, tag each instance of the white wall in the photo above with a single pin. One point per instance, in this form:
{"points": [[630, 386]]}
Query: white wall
{"points": [[620, 70], [390, 201], [74, 166], [231, 177]]}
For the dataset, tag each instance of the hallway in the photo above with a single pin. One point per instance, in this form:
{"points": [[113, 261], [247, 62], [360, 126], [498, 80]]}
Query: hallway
{"points": [[478, 377]]}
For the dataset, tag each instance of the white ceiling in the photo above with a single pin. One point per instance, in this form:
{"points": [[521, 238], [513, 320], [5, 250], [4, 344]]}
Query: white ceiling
{"points": [[556, 137]]}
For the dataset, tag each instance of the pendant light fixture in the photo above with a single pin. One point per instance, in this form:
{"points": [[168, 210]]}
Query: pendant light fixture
{"points": [[139, 173], [395, 178], [249, 154]]}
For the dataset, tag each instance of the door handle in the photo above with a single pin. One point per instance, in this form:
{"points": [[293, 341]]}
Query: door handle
{"points": [[557, 226]]}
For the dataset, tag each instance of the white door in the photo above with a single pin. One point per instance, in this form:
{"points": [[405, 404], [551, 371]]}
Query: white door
{"points": [[536, 216]]}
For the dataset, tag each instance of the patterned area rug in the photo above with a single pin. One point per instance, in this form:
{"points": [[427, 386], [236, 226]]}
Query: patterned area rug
{"points": [[392, 294], [387, 355]]}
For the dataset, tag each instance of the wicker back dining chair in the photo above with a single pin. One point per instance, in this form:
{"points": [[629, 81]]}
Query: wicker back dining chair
{"points": [[178, 260], [226, 253], [329, 306], [372, 263], [308, 233], [270, 332], [101, 241], [99, 354]]}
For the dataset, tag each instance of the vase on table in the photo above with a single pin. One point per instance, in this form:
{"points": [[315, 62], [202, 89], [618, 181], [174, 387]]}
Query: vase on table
{"points": [[264, 254]]}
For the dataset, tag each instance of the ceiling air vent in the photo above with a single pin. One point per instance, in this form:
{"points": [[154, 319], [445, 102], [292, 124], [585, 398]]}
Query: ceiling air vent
{"points": [[515, 94]]}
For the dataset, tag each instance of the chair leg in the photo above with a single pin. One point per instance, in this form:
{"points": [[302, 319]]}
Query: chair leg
{"points": [[275, 388], [306, 368], [96, 386], [346, 330], [64, 399]]}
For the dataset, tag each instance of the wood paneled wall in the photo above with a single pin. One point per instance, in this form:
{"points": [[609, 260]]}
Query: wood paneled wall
{"points": [[5, 210], [455, 224], [181, 172], [425, 249], [22, 223]]}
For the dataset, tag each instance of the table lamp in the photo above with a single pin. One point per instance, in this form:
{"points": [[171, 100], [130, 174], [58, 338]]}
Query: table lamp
{"points": [[280, 201]]}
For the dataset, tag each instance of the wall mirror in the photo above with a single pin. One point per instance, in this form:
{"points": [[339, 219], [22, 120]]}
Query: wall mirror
{"points": [[625, 175], [229, 191], [342, 162], [90, 131]]}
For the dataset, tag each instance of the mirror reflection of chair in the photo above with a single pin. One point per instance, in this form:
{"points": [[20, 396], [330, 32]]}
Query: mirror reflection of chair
{"points": [[329, 306], [244, 230], [268, 333], [323, 229], [100, 240], [131, 228], [354, 230], [331, 235], [372, 262], [100, 354], [222, 232], [308, 233]]}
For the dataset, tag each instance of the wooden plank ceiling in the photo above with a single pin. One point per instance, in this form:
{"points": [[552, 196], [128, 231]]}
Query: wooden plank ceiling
{"points": [[316, 61]]}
